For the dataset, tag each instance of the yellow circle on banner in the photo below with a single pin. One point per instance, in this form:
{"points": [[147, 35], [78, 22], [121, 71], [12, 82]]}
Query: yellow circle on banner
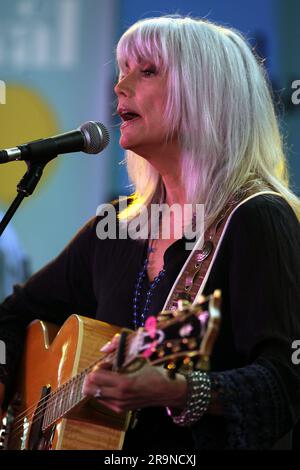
{"points": [[24, 117]]}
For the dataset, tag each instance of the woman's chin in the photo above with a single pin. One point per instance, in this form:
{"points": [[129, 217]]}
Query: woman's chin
{"points": [[127, 143]]}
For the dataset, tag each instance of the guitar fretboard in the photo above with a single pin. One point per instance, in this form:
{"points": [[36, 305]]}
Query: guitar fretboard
{"points": [[69, 395], [64, 399]]}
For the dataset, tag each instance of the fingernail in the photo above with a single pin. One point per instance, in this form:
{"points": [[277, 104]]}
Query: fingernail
{"points": [[106, 347]]}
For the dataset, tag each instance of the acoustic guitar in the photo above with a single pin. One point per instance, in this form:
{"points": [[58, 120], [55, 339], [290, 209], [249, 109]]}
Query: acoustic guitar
{"points": [[49, 411]]}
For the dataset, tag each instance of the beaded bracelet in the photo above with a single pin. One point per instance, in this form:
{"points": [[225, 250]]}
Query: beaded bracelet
{"points": [[199, 394]]}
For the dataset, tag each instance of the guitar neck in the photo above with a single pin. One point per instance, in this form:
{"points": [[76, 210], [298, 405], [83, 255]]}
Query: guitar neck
{"points": [[175, 336], [70, 395], [64, 399]]}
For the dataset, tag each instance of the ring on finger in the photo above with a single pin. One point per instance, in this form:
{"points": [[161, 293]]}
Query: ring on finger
{"points": [[98, 393]]}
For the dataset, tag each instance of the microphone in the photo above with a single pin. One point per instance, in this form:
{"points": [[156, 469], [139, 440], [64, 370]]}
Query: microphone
{"points": [[90, 137]]}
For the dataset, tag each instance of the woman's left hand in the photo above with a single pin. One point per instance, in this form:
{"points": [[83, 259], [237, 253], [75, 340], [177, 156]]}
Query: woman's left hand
{"points": [[149, 386]]}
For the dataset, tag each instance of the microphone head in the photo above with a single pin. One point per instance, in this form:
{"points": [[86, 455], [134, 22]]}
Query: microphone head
{"points": [[96, 136]]}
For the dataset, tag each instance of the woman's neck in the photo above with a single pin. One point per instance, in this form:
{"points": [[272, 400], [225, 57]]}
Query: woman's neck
{"points": [[175, 192]]}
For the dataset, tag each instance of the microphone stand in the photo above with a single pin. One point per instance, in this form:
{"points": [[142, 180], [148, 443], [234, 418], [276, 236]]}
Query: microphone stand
{"points": [[25, 188]]}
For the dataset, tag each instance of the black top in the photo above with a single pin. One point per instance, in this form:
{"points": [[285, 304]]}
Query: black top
{"points": [[258, 271]]}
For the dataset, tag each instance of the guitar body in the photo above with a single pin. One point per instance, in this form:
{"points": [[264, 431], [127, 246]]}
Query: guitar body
{"points": [[51, 358], [49, 410]]}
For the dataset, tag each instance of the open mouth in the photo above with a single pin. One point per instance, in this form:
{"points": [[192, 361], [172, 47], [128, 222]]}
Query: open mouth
{"points": [[129, 117]]}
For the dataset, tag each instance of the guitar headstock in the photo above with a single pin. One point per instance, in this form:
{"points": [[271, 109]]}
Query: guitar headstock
{"points": [[182, 338]]}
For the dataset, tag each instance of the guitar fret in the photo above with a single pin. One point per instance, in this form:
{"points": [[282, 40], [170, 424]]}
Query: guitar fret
{"points": [[59, 402], [63, 401], [79, 383], [45, 418], [75, 393], [48, 411], [64, 393], [66, 397], [49, 407], [55, 406], [71, 395], [78, 388]]}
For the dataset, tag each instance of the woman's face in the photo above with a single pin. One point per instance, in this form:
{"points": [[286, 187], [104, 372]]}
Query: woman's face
{"points": [[142, 95]]}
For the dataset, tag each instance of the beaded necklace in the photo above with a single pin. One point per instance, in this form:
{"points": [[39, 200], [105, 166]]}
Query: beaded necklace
{"points": [[139, 317]]}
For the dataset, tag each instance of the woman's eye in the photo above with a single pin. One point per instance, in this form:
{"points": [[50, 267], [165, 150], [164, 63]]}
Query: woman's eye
{"points": [[148, 72]]}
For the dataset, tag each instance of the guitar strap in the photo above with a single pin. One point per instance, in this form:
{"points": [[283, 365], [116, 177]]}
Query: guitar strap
{"points": [[193, 276]]}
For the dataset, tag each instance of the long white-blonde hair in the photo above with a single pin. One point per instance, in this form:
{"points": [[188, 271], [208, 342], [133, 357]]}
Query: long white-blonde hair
{"points": [[219, 103]]}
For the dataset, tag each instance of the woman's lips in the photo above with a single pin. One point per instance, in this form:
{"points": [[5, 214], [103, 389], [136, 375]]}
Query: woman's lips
{"points": [[129, 122]]}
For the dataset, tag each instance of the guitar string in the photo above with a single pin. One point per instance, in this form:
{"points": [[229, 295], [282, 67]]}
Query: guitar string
{"points": [[51, 395], [37, 411], [40, 409], [41, 403]]}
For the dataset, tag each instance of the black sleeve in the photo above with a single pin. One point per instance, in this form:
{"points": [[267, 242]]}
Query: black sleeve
{"points": [[261, 401], [61, 288]]}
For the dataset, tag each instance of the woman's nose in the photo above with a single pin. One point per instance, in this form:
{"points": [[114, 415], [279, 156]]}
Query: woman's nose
{"points": [[125, 86]]}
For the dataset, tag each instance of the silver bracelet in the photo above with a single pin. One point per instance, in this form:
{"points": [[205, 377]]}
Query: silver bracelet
{"points": [[198, 400]]}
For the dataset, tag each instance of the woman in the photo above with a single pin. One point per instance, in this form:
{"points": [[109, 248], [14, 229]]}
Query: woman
{"points": [[199, 127]]}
